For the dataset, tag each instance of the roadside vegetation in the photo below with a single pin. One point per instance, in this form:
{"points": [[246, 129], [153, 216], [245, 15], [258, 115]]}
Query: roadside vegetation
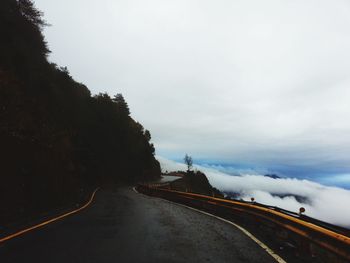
{"points": [[57, 141]]}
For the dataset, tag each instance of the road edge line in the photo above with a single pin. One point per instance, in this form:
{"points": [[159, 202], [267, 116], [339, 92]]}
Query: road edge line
{"points": [[246, 232], [26, 230]]}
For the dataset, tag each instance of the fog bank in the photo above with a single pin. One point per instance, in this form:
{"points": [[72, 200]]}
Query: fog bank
{"points": [[326, 203]]}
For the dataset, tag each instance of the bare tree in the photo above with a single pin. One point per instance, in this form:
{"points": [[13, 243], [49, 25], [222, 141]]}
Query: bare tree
{"points": [[189, 162]]}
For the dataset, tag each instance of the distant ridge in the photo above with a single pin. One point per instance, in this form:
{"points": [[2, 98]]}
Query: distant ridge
{"points": [[273, 176]]}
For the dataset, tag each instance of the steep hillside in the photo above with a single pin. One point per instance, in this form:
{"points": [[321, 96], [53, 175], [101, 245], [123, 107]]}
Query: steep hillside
{"points": [[57, 141]]}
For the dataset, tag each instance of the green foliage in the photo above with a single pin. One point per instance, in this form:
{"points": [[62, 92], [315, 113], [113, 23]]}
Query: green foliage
{"points": [[56, 139]]}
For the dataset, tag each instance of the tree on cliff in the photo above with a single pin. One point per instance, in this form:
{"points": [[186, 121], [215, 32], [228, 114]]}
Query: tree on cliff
{"points": [[121, 104], [189, 162]]}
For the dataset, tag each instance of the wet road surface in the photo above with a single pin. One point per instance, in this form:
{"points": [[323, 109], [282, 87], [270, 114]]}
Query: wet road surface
{"points": [[124, 226]]}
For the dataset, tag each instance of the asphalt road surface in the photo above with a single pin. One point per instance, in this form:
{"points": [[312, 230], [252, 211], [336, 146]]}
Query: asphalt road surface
{"points": [[123, 226]]}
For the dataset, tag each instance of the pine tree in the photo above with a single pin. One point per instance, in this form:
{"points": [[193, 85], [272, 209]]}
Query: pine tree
{"points": [[121, 103]]}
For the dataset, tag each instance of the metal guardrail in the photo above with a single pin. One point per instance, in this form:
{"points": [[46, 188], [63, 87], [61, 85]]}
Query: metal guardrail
{"points": [[332, 239]]}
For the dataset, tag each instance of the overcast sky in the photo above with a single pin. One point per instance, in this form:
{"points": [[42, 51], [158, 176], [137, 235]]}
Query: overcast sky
{"points": [[254, 83]]}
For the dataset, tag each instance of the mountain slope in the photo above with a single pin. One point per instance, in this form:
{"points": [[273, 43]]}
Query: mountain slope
{"points": [[57, 141]]}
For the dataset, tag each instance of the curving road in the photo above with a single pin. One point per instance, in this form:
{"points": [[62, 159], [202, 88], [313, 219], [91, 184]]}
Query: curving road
{"points": [[123, 226]]}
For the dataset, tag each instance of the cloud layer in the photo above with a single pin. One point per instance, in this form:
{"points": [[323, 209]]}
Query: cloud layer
{"points": [[262, 82], [326, 203]]}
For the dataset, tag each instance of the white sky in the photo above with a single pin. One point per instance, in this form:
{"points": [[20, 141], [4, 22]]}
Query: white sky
{"points": [[251, 81]]}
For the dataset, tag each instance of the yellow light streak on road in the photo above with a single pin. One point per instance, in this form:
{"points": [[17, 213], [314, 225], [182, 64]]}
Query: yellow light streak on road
{"points": [[26, 230]]}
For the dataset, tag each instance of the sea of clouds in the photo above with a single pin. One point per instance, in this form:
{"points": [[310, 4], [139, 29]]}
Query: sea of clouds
{"points": [[330, 204]]}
